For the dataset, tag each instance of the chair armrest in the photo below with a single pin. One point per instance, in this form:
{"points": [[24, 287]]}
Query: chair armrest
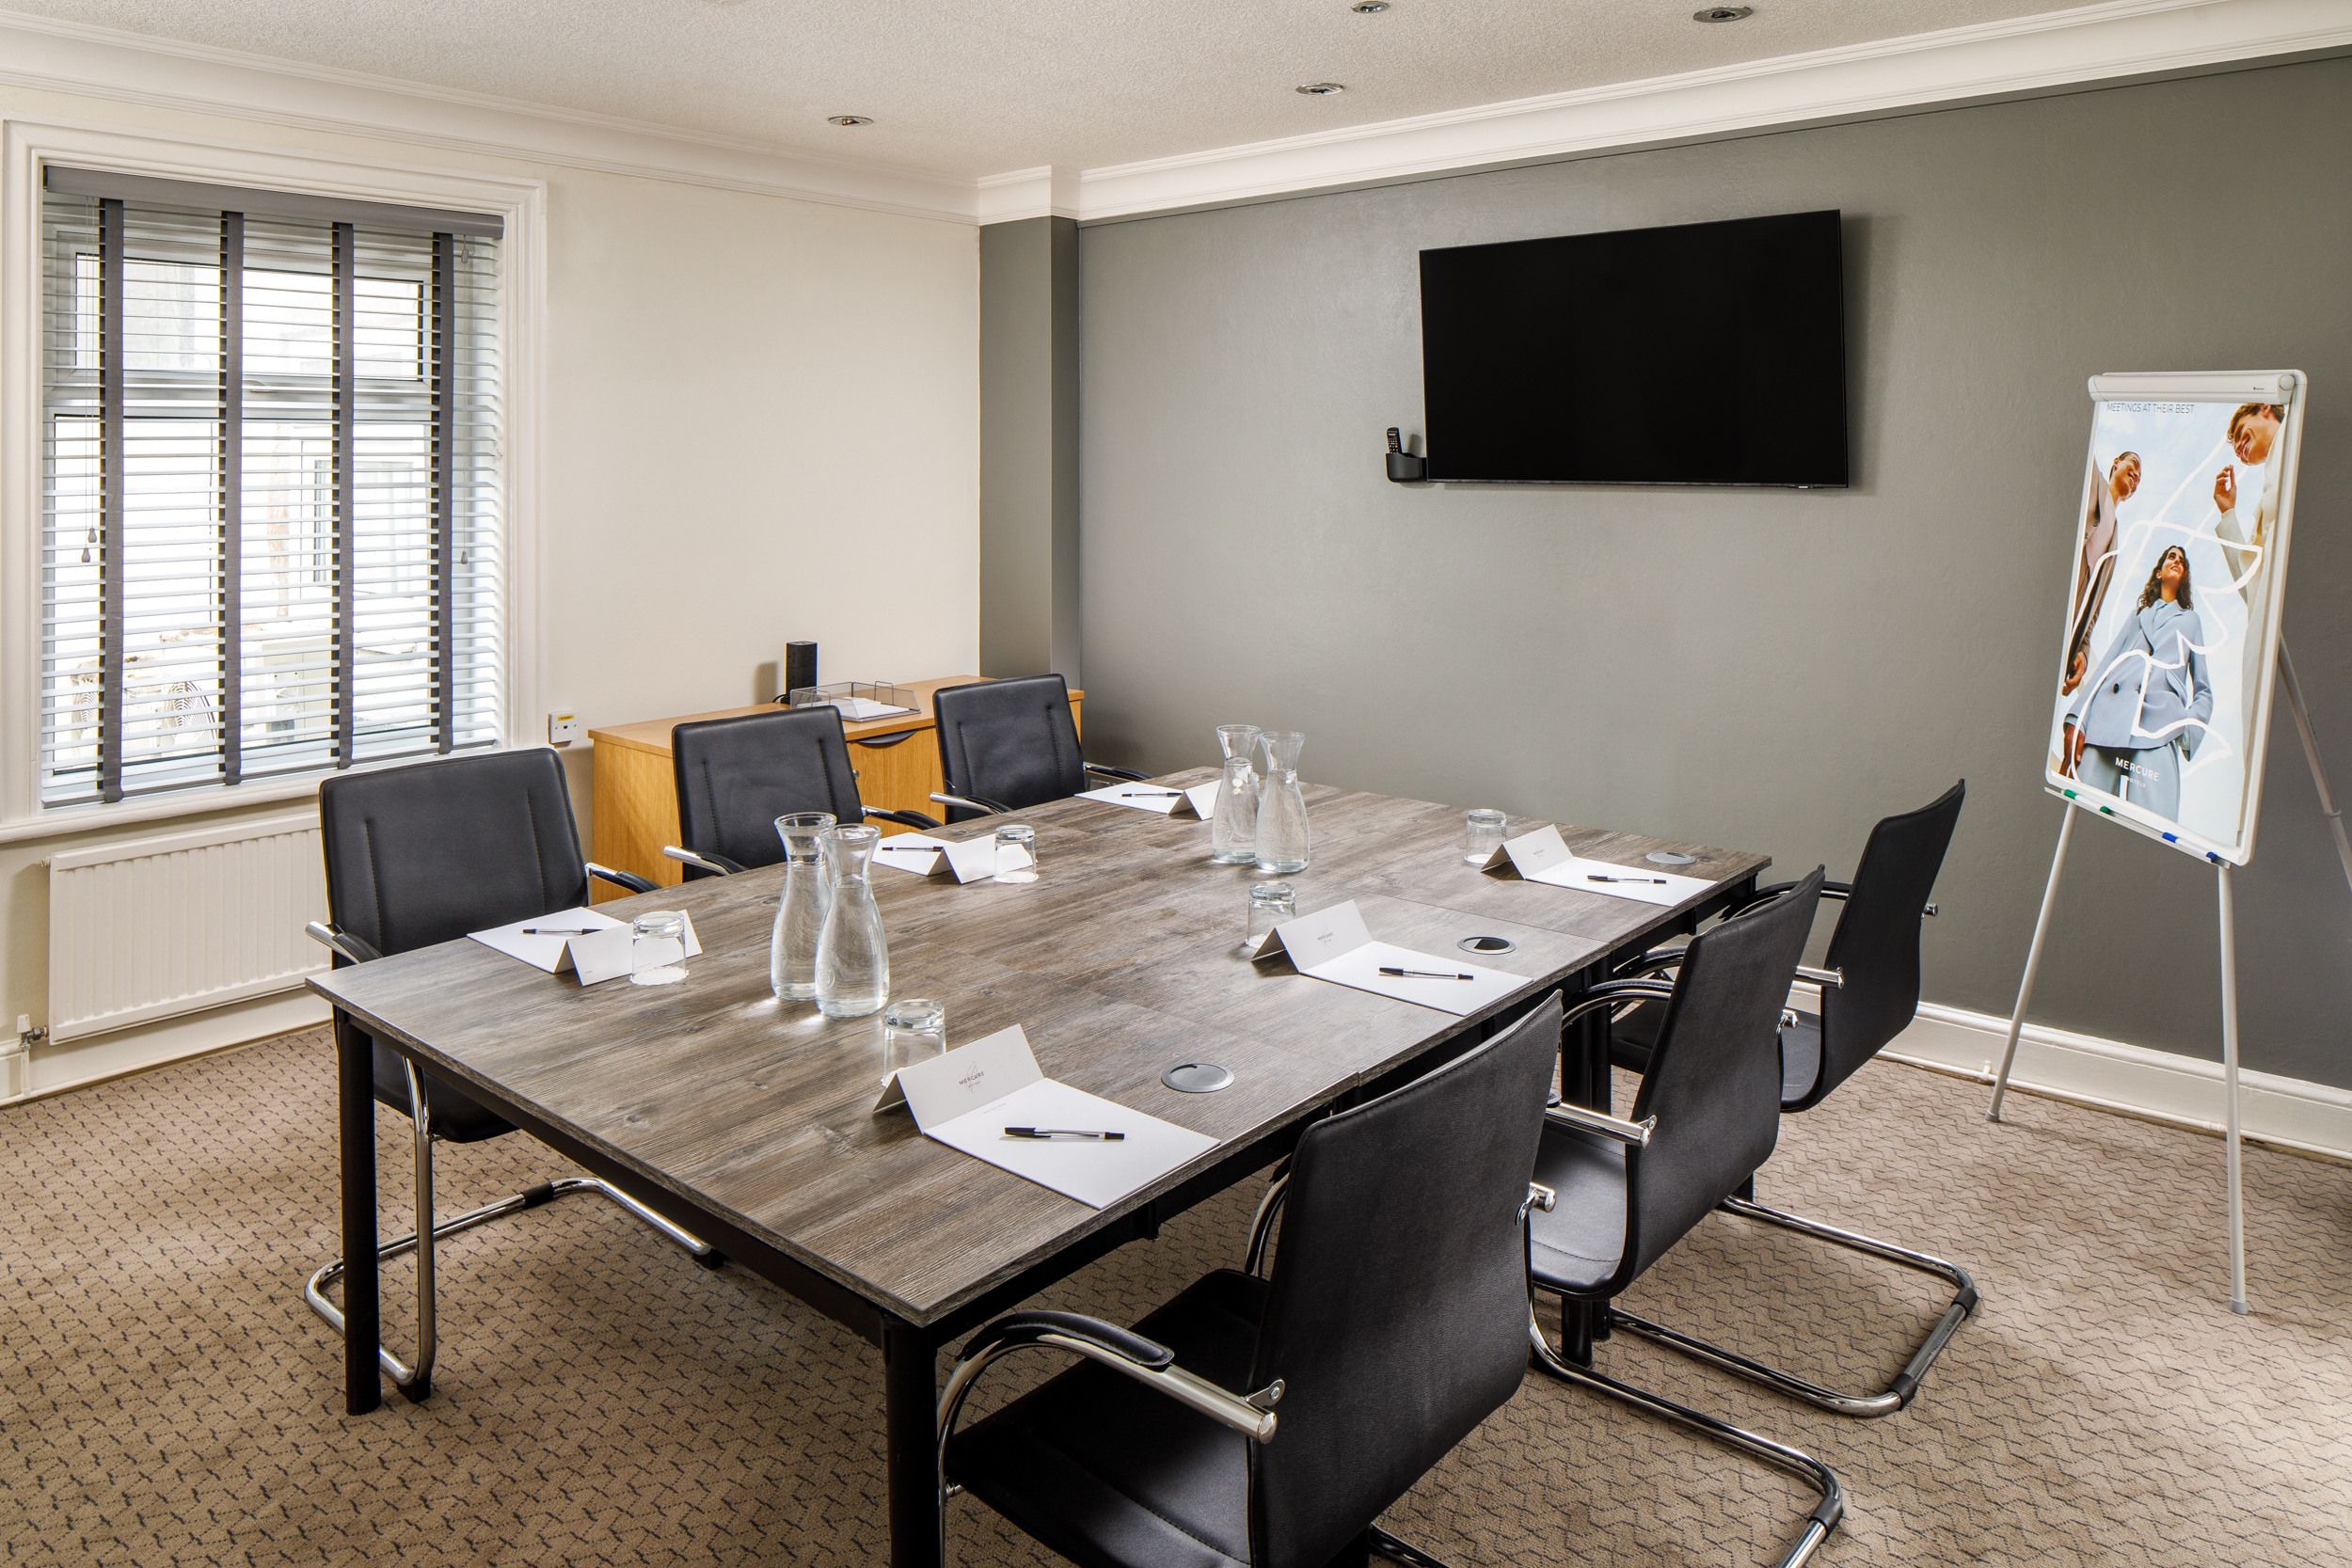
{"points": [[620, 878], [1128, 774], [1649, 963], [341, 942], [1577, 1116], [1261, 1228], [989, 808], [1830, 980], [1838, 892], [1609, 993], [904, 818], [1108, 1336], [718, 866]]}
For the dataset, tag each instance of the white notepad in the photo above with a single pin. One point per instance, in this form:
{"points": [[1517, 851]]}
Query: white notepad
{"points": [[966, 1097], [1199, 800], [974, 860], [1334, 944], [597, 954], [1543, 856]]}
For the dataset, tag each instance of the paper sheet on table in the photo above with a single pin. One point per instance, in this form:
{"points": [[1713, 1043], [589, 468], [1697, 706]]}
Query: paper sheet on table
{"points": [[598, 953], [1333, 945], [1199, 800], [1542, 856], [856, 710], [966, 1097], [973, 860]]}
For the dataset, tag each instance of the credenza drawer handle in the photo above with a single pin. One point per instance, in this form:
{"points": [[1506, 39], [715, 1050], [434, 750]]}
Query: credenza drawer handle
{"points": [[889, 739]]}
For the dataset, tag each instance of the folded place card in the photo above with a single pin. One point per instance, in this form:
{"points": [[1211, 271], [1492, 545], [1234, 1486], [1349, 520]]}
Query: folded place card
{"points": [[968, 1096], [594, 947], [1334, 944], [1197, 801], [1542, 856], [974, 860]]}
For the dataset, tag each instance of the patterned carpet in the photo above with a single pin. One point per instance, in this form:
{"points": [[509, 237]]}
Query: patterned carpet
{"points": [[166, 1397]]}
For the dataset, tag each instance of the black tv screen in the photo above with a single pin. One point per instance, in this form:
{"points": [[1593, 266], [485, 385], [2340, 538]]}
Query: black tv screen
{"points": [[1703, 354]]}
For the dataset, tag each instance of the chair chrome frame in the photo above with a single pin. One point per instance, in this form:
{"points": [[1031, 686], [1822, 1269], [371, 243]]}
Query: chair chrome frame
{"points": [[1561, 1364], [1905, 1386], [416, 1381]]}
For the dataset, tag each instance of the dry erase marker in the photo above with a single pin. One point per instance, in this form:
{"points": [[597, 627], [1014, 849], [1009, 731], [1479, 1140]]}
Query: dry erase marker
{"points": [[1590, 878], [1063, 1132], [1422, 974]]}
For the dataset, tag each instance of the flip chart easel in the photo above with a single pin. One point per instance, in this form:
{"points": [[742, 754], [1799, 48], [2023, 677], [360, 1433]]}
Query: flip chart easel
{"points": [[2283, 392]]}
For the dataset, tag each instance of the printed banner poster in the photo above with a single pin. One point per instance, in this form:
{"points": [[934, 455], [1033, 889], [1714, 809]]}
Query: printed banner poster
{"points": [[2173, 615]]}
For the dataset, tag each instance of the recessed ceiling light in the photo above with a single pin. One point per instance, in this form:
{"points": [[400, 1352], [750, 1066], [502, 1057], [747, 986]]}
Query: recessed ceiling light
{"points": [[847, 120], [1369, 7], [1723, 13], [1320, 89]]}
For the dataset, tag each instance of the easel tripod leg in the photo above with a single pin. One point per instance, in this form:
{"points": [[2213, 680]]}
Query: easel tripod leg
{"points": [[2311, 753], [2229, 1076], [2033, 964]]}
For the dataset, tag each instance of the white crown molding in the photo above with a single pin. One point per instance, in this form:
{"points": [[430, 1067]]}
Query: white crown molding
{"points": [[1029, 193], [50, 56], [2026, 55]]}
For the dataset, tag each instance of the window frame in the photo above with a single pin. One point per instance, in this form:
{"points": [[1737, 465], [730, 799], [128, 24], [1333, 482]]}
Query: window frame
{"points": [[27, 147]]}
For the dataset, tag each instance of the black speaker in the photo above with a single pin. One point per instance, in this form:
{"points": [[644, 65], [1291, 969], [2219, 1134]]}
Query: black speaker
{"points": [[800, 667]]}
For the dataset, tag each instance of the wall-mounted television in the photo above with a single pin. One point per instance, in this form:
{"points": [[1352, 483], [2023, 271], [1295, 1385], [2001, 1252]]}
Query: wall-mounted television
{"points": [[1702, 354]]}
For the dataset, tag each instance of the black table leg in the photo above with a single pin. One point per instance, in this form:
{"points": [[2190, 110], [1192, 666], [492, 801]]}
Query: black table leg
{"points": [[1585, 1046], [354, 1087], [911, 1408]]}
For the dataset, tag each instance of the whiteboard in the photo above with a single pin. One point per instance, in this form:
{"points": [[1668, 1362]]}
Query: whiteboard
{"points": [[2169, 649]]}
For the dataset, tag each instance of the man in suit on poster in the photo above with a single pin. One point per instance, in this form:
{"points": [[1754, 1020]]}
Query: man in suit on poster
{"points": [[2254, 437]]}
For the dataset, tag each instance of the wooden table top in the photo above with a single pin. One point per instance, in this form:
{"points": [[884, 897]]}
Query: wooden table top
{"points": [[1122, 959], [653, 735]]}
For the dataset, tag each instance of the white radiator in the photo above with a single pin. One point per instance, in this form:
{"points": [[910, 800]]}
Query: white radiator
{"points": [[156, 927]]}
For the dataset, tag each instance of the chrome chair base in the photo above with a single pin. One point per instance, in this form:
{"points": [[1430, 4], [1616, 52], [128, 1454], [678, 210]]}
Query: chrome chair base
{"points": [[1817, 1525], [1896, 1395], [1384, 1544]]}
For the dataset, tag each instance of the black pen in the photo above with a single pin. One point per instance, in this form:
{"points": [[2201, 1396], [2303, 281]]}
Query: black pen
{"points": [[1062, 1133], [911, 849], [1137, 794], [560, 930], [1660, 881], [1422, 974]]}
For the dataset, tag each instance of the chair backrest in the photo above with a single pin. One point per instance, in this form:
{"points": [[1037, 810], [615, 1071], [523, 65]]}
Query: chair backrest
{"points": [[1877, 941], [736, 776], [1009, 741], [424, 854], [1397, 1311], [1713, 1080]]}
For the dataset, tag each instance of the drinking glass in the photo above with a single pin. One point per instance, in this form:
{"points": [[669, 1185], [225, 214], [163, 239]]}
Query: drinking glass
{"points": [[1271, 903], [852, 959], [1281, 841], [1234, 824], [1483, 835], [801, 912], [1016, 853], [657, 948], [915, 1029]]}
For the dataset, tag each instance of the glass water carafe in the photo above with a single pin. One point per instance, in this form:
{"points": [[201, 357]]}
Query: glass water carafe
{"points": [[853, 959], [801, 912], [1281, 841], [1234, 825]]}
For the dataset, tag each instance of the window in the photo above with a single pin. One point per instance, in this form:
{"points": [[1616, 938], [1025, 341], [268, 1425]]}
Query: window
{"points": [[271, 524]]}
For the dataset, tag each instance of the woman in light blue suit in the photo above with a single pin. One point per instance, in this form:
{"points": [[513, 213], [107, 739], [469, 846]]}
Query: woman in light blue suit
{"points": [[2148, 702]]}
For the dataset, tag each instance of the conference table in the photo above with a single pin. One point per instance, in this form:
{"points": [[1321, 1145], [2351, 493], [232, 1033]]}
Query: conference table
{"points": [[751, 1122]]}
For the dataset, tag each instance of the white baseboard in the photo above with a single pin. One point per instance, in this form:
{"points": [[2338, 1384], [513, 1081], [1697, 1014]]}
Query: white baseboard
{"points": [[53, 1067], [2108, 1075]]}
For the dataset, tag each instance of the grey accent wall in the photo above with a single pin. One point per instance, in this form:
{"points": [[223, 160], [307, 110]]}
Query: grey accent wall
{"points": [[1030, 448], [1763, 669]]}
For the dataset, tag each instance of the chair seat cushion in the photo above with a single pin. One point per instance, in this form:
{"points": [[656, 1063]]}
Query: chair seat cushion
{"points": [[1112, 1474], [1632, 1036], [1576, 1247], [456, 1118]]}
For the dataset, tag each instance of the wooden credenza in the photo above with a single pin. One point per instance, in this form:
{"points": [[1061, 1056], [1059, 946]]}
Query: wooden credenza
{"points": [[636, 783]]}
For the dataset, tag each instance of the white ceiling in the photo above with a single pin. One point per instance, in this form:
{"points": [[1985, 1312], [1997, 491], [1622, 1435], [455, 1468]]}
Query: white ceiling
{"points": [[974, 88]]}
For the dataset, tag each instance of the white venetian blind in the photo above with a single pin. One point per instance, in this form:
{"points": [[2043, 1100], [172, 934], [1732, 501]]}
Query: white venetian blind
{"points": [[271, 537]]}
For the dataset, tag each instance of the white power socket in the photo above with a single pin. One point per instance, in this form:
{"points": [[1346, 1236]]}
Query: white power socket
{"points": [[563, 728]]}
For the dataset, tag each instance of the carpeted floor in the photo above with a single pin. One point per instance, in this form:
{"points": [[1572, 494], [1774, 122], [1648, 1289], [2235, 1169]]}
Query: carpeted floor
{"points": [[166, 1397]]}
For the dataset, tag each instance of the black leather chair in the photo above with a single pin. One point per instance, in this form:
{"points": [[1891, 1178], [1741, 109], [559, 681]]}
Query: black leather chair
{"points": [[1708, 1116], [422, 855], [1393, 1323], [1003, 745], [736, 776], [1873, 960]]}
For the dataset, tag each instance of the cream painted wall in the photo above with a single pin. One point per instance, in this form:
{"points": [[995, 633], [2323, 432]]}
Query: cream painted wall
{"points": [[747, 403]]}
